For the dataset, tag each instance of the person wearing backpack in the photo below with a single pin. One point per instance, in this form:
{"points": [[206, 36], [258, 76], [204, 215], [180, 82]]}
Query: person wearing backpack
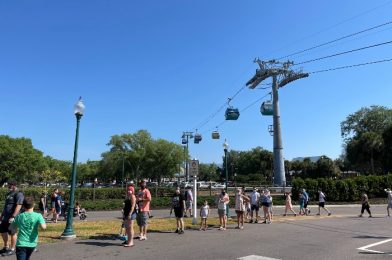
{"points": [[322, 203], [12, 206]]}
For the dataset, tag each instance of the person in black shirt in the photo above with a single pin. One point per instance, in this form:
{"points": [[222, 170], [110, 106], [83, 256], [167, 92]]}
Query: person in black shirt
{"points": [[13, 204], [178, 205], [129, 217]]}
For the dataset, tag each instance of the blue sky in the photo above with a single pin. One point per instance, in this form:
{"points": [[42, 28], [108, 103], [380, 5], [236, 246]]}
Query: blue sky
{"points": [[166, 66]]}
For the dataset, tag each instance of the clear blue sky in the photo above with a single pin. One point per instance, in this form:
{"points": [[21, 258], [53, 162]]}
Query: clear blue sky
{"points": [[166, 66]]}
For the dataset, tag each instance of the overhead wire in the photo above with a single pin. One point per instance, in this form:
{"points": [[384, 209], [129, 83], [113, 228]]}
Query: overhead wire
{"points": [[351, 66], [344, 52], [336, 40], [333, 26]]}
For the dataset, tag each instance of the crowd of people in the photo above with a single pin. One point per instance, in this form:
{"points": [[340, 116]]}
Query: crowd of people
{"points": [[19, 223]]}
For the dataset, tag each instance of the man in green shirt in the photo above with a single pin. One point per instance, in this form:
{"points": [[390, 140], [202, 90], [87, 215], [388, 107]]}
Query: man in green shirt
{"points": [[27, 225]]}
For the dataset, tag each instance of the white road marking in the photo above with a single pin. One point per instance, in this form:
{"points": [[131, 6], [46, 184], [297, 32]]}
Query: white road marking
{"points": [[256, 257], [365, 248]]}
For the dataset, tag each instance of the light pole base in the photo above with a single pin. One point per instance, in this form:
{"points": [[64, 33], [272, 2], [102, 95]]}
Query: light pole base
{"points": [[68, 237], [194, 221]]}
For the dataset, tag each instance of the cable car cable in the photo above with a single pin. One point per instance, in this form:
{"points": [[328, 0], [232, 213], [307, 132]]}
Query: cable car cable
{"points": [[344, 52], [331, 27], [336, 40], [351, 66]]}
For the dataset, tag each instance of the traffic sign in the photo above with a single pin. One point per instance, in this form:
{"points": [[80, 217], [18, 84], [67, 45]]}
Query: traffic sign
{"points": [[194, 167]]}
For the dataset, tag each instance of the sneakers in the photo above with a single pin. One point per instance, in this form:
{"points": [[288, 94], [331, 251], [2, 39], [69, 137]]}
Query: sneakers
{"points": [[251, 221], [177, 230], [5, 249], [181, 232], [329, 214], [142, 238], [256, 221], [8, 252]]}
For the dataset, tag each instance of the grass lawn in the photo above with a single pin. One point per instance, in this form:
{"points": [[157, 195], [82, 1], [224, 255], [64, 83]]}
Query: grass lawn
{"points": [[111, 229]]}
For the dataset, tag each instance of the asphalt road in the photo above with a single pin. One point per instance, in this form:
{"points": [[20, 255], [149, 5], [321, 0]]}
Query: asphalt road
{"points": [[340, 236]]}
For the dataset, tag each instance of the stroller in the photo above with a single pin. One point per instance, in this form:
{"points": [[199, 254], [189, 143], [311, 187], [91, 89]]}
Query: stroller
{"points": [[82, 212]]}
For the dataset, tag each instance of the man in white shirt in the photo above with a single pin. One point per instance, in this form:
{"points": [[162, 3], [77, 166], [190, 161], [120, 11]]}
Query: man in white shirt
{"points": [[322, 203], [254, 204]]}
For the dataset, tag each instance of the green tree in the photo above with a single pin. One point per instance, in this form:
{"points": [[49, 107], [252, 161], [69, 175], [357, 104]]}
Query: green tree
{"points": [[19, 160], [362, 133]]}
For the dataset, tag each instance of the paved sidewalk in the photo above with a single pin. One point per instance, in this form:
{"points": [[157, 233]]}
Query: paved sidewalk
{"points": [[339, 236]]}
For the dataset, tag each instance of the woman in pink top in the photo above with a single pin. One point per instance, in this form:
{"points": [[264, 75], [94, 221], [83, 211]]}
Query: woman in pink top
{"points": [[289, 206]]}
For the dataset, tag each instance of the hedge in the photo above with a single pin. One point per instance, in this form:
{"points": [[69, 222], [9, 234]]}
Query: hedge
{"points": [[112, 198], [347, 190]]}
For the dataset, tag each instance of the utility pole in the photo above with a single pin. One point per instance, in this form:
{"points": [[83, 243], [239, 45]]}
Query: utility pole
{"points": [[185, 140], [281, 75]]}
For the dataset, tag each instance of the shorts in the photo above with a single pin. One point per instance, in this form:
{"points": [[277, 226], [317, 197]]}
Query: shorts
{"points": [[128, 222], [5, 227], [266, 204], [221, 212], [58, 210], [239, 211], [321, 204], [189, 204], [305, 205], [142, 219], [255, 207], [389, 206], [179, 213]]}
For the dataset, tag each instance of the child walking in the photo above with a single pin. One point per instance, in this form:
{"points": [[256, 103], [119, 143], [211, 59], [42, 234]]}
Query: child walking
{"points": [[27, 225], [204, 212], [288, 205]]}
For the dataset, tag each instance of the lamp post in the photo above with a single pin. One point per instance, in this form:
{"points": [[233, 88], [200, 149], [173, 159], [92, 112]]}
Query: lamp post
{"points": [[225, 149], [68, 231]]}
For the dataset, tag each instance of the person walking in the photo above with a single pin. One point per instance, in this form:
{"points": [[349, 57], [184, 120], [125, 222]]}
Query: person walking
{"points": [[306, 202], [223, 200], [189, 202], [143, 200], [130, 214], [53, 197], [389, 205], [288, 204], [254, 205], [302, 210], [204, 212], [322, 203], [365, 205], [26, 225], [13, 204], [43, 204], [178, 205]]}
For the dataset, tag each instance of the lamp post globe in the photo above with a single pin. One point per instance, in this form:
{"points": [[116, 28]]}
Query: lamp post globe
{"points": [[68, 231]]}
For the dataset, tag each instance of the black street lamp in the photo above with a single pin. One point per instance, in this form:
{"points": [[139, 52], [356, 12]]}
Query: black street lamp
{"points": [[68, 231]]}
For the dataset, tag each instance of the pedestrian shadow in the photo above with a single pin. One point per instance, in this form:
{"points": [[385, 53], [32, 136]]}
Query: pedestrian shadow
{"points": [[374, 253], [98, 243], [370, 237]]}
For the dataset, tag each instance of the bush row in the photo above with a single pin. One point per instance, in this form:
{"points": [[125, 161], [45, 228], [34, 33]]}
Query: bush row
{"points": [[347, 190]]}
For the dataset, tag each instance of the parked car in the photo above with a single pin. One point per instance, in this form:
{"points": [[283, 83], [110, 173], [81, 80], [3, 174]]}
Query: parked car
{"points": [[219, 186], [203, 185]]}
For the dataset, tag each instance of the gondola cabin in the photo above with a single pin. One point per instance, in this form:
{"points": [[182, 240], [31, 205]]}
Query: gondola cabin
{"points": [[267, 108], [197, 138], [232, 113], [215, 135], [184, 141]]}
